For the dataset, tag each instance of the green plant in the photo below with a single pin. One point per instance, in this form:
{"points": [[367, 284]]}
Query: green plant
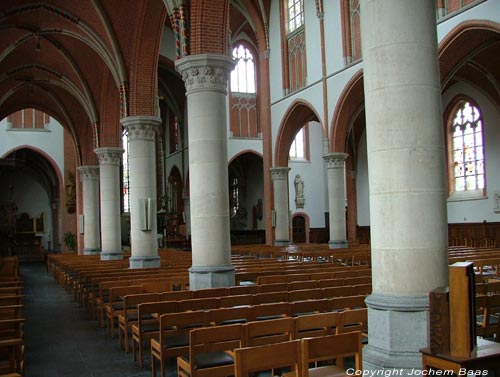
{"points": [[69, 239]]}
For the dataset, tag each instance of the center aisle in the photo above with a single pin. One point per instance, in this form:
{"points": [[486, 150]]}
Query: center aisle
{"points": [[59, 339]]}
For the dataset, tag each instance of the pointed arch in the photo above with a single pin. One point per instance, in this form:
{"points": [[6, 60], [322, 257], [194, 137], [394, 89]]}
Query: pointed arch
{"points": [[297, 115]]}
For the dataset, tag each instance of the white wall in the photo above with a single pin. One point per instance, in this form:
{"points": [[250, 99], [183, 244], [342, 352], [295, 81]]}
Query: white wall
{"points": [[50, 141], [311, 173]]}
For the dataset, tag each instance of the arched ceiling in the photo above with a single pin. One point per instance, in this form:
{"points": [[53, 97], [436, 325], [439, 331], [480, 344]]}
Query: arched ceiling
{"points": [[250, 18], [470, 54], [56, 54]]}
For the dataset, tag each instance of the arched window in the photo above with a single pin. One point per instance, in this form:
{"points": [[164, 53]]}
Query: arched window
{"points": [[299, 150], [243, 75], [467, 148], [125, 172]]}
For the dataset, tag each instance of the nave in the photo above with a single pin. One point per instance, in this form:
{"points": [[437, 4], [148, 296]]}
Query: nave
{"points": [[61, 342]]}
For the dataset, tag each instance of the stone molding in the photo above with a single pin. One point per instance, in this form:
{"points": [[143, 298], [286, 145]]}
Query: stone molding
{"points": [[335, 160], [279, 173], [88, 172], [141, 127], [397, 303], [205, 72], [109, 155]]}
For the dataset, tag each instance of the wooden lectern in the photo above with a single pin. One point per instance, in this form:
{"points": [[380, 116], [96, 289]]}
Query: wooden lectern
{"points": [[462, 309], [463, 351]]}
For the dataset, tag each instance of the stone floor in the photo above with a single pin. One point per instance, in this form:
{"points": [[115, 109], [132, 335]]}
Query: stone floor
{"points": [[59, 339]]}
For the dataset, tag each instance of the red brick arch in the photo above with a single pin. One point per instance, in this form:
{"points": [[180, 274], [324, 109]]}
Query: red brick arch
{"points": [[350, 101], [298, 114]]}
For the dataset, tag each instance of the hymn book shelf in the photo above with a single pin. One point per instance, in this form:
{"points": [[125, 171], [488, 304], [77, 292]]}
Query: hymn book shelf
{"points": [[453, 343]]}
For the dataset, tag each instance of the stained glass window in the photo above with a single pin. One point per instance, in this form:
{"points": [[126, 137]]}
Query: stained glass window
{"points": [[467, 153]]}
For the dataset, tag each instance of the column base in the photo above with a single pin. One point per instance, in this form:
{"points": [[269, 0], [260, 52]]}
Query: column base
{"points": [[111, 256], [398, 330], [91, 251], [211, 277], [338, 244], [281, 242], [144, 262]]}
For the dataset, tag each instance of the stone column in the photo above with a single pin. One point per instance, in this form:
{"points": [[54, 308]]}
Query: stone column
{"points": [[141, 132], [89, 176], [110, 188], [279, 176], [335, 165], [205, 77], [406, 177]]}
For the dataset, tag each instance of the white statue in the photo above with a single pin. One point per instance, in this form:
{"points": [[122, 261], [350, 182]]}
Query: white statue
{"points": [[299, 192]]}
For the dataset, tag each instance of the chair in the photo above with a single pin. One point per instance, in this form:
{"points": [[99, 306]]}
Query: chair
{"points": [[172, 338], [488, 323], [320, 324], [210, 292], [242, 290], [327, 348], [304, 284], [347, 302], [271, 297], [12, 345], [177, 295], [267, 332], [275, 310], [279, 355], [236, 300], [130, 314], [327, 283], [147, 325], [114, 307], [199, 304], [210, 352], [229, 316], [273, 287], [305, 294], [305, 307], [355, 320]]}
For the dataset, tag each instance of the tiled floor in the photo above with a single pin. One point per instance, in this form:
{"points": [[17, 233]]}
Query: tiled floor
{"points": [[59, 339]]}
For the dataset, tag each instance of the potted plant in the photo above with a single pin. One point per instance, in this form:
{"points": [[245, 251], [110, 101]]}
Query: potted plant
{"points": [[69, 240]]}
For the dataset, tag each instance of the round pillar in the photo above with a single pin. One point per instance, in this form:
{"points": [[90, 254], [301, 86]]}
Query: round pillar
{"points": [[205, 77], [406, 177], [141, 132], [279, 176], [89, 176], [335, 165], [110, 188]]}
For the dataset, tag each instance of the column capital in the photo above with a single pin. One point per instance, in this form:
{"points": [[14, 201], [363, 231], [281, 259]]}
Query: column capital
{"points": [[109, 155], [279, 173], [265, 54], [205, 72], [141, 127], [90, 172], [335, 160]]}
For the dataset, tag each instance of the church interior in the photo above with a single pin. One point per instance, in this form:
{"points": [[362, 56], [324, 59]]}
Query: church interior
{"points": [[319, 177]]}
